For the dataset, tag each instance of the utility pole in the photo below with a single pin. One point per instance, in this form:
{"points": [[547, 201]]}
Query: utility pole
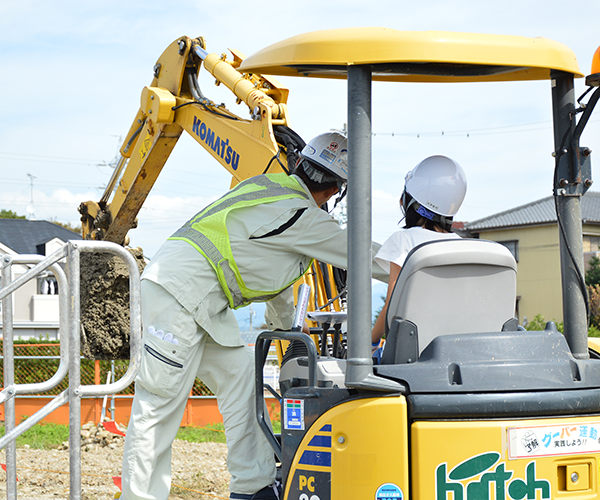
{"points": [[30, 207], [252, 313]]}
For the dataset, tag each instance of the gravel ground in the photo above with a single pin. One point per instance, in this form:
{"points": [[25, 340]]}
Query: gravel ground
{"points": [[199, 472]]}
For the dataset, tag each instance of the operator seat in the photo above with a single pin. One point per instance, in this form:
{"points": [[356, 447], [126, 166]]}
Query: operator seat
{"points": [[449, 287]]}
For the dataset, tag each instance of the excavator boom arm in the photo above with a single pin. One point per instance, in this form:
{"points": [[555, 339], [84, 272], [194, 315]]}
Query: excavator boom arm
{"points": [[173, 103]]}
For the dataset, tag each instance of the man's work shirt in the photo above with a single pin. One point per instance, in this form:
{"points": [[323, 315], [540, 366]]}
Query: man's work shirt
{"points": [[265, 262]]}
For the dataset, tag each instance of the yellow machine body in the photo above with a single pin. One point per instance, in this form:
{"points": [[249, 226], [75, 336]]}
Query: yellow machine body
{"points": [[467, 56], [363, 448], [347, 450], [512, 459]]}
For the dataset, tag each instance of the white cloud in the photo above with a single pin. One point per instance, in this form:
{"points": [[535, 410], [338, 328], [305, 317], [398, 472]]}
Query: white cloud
{"points": [[161, 216]]}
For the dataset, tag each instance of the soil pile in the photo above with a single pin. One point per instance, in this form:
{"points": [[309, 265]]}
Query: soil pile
{"points": [[105, 304], [44, 474]]}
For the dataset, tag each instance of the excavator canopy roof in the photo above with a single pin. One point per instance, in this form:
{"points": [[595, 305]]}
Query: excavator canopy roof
{"points": [[414, 56]]}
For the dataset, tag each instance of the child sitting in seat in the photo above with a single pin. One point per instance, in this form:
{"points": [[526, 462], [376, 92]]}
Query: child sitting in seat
{"points": [[433, 192]]}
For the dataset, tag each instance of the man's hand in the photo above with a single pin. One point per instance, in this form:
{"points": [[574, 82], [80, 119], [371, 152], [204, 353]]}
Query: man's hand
{"points": [[305, 328]]}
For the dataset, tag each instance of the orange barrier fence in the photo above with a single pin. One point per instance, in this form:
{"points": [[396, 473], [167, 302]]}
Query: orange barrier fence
{"points": [[38, 362], [200, 410]]}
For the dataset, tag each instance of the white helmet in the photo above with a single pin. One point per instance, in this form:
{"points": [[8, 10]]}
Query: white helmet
{"points": [[330, 152], [439, 184]]}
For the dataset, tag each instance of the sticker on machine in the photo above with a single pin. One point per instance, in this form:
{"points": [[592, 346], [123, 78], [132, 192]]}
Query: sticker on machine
{"points": [[553, 440], [389, 491], [146, 144], [293, 412]]}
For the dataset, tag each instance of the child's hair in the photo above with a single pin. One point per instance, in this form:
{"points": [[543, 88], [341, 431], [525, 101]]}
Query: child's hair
{"points": [[415, 219]]}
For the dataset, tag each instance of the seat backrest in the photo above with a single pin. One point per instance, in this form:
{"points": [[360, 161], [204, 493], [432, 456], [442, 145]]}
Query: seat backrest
{"points": [[455, 286]]}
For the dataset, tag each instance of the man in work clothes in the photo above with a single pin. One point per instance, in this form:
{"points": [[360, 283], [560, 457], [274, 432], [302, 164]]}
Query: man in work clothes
{"points": [[250, 245]]}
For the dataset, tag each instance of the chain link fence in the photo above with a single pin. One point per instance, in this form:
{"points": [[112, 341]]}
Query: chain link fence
{"points": [[38, 362]]}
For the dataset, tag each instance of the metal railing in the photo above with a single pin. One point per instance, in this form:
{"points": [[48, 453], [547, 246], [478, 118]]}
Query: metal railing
{"points": [[69, 332]]}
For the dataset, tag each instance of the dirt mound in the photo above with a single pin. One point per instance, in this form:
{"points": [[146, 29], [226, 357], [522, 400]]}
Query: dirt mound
{"points": [[105, 304], [44, 474]]}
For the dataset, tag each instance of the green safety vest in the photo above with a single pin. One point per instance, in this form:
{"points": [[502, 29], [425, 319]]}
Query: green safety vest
{"points": [[207, 232]]}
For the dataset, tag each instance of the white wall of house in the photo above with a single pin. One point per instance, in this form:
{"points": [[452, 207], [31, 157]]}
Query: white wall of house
{"points": [[34, 315], [53, 245], [45, 308]]}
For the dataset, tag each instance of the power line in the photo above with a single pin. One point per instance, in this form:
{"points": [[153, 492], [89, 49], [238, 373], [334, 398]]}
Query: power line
{"points": [[45, 158], [50, 183], [503, 129], [57, 129]]}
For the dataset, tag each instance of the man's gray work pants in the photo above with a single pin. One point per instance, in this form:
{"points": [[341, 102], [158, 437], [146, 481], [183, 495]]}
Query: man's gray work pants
{"points": [[166, 377]]}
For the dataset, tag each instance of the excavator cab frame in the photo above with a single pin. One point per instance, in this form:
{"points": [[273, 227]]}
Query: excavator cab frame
{"points": [[421, 445], [363, 55]]}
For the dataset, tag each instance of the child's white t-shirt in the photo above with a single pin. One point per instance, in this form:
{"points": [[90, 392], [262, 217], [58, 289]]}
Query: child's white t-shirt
{"points": [[399, 244]]}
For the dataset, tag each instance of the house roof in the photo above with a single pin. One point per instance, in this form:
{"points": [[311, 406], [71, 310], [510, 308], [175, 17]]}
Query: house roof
{"points": [[537, 212], [25, 236]]}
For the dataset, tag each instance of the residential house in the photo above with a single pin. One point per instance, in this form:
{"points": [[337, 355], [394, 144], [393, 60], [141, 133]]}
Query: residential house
{"points": [[35, 304], [530, 232]]}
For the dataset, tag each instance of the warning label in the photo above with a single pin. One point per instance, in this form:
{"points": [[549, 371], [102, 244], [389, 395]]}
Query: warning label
{"points": [[293, 412]]}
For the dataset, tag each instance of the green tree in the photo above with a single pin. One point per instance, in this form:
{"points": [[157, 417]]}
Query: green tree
{"points": [[592, 280], [594, 301], [67, 225], [539, 323], [378, 311], [9, 214], [592, 276]]}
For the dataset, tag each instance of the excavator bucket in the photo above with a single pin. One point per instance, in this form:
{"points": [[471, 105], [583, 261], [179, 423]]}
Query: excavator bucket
{"points": [[105, 305]]}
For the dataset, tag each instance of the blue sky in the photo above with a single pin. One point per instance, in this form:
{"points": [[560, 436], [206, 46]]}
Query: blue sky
{"points": [[72, 75]]}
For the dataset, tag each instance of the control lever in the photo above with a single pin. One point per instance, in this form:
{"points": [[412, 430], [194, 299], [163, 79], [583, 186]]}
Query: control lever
{"points": [[301, 307]]}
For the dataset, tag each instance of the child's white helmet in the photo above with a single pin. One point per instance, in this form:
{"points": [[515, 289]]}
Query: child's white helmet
{"points": [[439, 184]]}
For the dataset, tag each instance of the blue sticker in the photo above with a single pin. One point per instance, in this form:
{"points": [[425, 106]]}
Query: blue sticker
{"points": [[294, 414], [321, 441], [328, 156], [387, 491], [321, 458], [425, 213]]}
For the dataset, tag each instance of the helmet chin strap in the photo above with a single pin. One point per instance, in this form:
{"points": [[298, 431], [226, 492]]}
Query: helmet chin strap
{"points": [[341, 196], [423, 211], [403, 206]]}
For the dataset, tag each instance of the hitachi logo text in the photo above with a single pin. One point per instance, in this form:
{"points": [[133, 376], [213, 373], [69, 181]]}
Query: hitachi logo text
{"points": [[499, 480]]}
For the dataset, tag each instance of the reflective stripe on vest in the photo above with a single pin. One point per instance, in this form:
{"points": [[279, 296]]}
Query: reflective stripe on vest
{"points": [[207, 232]]}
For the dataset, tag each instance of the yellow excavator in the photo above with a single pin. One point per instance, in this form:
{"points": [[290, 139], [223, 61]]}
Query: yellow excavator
{"points": [[174, 103], [464, 404]]}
